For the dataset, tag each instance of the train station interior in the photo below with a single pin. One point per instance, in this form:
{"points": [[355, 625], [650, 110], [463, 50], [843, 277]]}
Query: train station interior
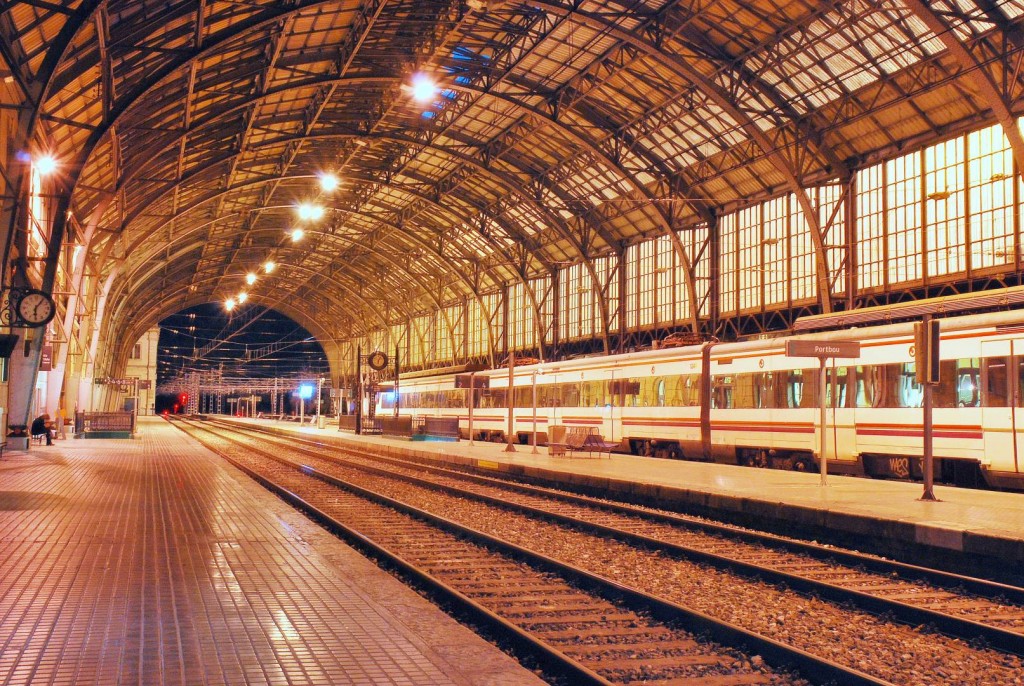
{"points": [[758, 261]]}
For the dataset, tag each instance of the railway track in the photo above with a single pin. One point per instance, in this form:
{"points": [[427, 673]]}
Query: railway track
{"points": [[956, 605], [644, 537], [582, 628]]}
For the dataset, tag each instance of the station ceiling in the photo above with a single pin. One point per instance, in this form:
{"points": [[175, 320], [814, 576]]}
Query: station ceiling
{"points": [[189, 131]]}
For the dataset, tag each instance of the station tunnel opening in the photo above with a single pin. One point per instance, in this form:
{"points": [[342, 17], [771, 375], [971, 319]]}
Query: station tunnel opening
{"points": [[254, 361]]}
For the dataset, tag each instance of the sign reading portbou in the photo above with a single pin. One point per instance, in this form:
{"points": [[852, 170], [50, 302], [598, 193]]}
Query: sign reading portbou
{"points": [[848, 349]]}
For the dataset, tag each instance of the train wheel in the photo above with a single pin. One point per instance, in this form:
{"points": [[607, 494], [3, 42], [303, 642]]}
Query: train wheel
{"points": [[801, 464]]}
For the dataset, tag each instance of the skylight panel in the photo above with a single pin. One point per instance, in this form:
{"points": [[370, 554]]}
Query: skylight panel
{"points": [[1012, 8]]}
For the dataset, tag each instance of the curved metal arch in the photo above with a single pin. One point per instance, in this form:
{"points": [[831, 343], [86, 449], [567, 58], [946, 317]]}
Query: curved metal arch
{"points": [[570, 134], [586, 143], [150, 314], [989, 89], [331, 80], [129, 288], [331, 345], [497, 247], [498, 177], [470, 288], [721, 98], [128, 291], [28, 120]]}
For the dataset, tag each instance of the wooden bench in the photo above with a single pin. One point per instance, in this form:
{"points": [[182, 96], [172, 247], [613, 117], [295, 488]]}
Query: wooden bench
{"points": [[587, 439]]}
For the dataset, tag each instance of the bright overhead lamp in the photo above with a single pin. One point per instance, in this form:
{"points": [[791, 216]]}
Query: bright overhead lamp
{"points": [[250, 278], [423, 87], [297, 234], [229, 304], [269, 266], [310, 212], [242, 297], [45, 164], [329, 182]]}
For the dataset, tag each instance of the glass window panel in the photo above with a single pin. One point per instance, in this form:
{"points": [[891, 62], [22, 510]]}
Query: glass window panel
{"points": [[944, 188], [751, 269], [632, 286], [995, 382], [776, 251], [990, 197], [832, 220], [730, 286], [871, 240], [903, 214]]}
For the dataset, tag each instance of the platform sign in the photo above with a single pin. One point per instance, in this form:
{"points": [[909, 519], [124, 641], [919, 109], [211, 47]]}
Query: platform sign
{"points": [[846, 349], [823, 350]]}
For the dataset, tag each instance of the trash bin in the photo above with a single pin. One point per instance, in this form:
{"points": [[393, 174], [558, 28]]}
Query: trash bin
{"points": [[321, 422]]}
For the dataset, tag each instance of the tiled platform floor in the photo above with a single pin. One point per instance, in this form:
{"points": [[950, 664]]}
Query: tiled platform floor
{"points": [[150, 561]]}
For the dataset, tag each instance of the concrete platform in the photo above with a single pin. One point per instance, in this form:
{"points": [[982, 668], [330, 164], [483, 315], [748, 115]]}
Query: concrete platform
{"points": [[979, 527], [151, 561]]}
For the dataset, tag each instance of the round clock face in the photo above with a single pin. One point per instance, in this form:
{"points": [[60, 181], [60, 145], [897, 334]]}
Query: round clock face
{"points": [[378, 360], [35, 308]]}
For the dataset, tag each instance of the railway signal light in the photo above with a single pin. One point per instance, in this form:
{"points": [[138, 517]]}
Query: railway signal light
{"points": [[926, 351]]}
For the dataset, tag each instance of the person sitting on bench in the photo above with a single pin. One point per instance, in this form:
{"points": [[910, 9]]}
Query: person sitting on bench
{"points": [[42, 425]]}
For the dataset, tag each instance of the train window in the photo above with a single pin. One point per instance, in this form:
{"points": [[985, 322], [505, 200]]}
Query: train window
{"points": [[872, 385], [794, 387], [909, 392], [661, 393], [721, 392], [997, 390], [1019, 364], [959, 384], [745, 391], [837, 382], [689, 390]]}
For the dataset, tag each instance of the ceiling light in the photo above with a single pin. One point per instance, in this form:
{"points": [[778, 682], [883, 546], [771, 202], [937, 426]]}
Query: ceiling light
{"points": [[297, 234], [45, 165], [229, 304], [269, 266], [310, 212], [242, 297], [250, 278], [423, 87], [329, 182]]}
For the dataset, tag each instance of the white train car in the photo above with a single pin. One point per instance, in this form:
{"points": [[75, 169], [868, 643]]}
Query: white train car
{"points": [[749, 403]]}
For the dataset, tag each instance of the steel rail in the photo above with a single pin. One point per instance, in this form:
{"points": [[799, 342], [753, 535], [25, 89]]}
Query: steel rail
{"points": [[968, 629], [774, 652]]}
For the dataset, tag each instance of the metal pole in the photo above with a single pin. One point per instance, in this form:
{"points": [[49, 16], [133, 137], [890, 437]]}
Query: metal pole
{"points": [[359, 389], [509, 448], [398, 395], [319, 389], [472, 402], [822, 400], [928, 494], [534, 451]]}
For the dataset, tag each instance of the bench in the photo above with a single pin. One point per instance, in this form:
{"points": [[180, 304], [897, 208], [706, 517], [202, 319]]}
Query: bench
{"points": [[585, 439]]}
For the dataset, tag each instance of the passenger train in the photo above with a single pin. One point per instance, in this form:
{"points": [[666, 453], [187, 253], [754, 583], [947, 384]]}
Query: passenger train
{"points": [[749, 403]]}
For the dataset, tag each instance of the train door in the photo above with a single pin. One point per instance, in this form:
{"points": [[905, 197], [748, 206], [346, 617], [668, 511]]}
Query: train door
{"points": [[841, 442], [1002, 421]]}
